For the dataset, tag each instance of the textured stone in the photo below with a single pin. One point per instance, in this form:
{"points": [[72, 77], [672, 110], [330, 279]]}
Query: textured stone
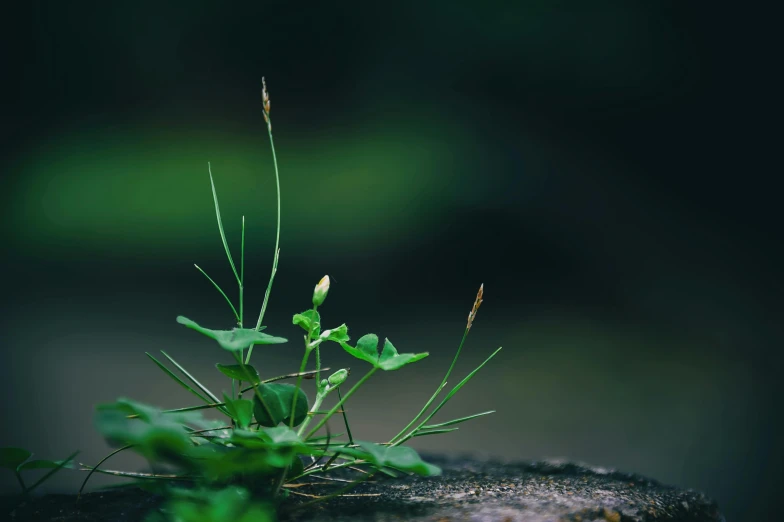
{"points": [[468, 490], [531, 492]]}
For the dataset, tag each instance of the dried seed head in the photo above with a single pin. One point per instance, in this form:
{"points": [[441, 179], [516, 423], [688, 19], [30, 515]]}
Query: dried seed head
{"points": [[475, 308], [265, 99]]}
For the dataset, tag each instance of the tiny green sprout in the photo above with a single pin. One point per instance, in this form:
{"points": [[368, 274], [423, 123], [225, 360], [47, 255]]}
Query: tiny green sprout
{"points": [[252, 459]]}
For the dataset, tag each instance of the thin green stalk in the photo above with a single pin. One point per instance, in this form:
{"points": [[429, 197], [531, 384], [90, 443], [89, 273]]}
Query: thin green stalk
{"points": [[52, 472], [345, 420], [340, 402], [219, 289], [220, 224], [445, 400], [438, 390], [21, 482], [304, 363], [95, 468], [313, 411], [277, 239], [242, 270]]}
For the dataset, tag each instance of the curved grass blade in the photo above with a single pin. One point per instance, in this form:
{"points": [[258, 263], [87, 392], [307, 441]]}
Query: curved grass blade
{"points": [[218, 288], [220, 225], [456, 421], [433, 432], [95, 468], [177, 379], [197, 383], [54, 470], [446, 399]]}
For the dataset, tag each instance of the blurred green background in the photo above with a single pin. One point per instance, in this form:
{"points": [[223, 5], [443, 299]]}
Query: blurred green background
{"points": [[594, 165]]}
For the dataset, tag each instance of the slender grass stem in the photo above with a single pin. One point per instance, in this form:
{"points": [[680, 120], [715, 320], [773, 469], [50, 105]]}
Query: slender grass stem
{"points": [[345, 421], [95, 468], [52, 472], [277, 237], [219, 289], [337, 406], [438, 390], [445, 400], [304, 363], [21, 482]]}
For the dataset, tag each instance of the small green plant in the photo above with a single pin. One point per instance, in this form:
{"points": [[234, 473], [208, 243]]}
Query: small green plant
{"points": [[18, 460], [271, 441]]}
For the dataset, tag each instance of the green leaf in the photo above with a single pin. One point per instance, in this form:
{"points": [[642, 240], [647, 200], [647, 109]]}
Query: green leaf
{"points": [[366, 349], [391, 360], [276, 405], [45, 464], [307, 320], [241, 372], [234, 340], [388, 360], [12, 458], [339, 334], [241, 410], [401, 458]]}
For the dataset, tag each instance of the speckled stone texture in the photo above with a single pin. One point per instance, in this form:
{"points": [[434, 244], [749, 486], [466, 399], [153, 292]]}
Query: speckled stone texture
{"points": [[468, 490], [532, 492]]}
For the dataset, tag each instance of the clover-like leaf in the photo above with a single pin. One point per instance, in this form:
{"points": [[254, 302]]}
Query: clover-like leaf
{"points": [[241, 410], [402, 458], [388, 360], [391, 360], [307, 320], [275, 404], [233, 340], [241, 372], [13, 458], [339, 334]]}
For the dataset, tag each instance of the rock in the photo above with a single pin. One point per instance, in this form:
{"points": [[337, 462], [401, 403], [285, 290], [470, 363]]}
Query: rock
{"points": [[468, 490], [530, 492]]}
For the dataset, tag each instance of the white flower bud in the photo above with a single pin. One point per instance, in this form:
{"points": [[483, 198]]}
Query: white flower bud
{"points": [[320, 292]]}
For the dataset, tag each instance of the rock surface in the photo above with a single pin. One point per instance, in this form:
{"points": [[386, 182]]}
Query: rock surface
{"points": [[468, 490]]}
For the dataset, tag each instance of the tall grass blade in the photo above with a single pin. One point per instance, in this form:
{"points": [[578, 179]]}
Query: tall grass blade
{"points": [[193, 380], [457, 421], [220, 225], [177, 379], [218, 288]]}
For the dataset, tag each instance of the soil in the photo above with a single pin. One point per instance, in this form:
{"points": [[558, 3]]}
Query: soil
{"points": [[468, 490]]}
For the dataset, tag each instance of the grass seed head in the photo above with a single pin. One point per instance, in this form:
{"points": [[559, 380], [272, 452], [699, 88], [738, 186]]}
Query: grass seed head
{"points": [[475, 308]]}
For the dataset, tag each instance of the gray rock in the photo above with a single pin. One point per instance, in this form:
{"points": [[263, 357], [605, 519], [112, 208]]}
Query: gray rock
{"points": [[533, 492]]}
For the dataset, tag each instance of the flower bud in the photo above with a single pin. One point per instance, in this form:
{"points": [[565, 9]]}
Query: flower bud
{"points": [[320, 292], [338, 378], [325, 334]]}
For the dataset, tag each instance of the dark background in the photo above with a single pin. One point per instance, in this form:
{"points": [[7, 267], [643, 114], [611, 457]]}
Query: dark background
{"points": [[601, 167]]}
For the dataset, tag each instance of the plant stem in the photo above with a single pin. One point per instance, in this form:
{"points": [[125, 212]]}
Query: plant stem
{"points": [[316, 405], [21, 482], [345, 420], [95, 468], [304, 363], [435, 394], [340, 402], [277, 240]]}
